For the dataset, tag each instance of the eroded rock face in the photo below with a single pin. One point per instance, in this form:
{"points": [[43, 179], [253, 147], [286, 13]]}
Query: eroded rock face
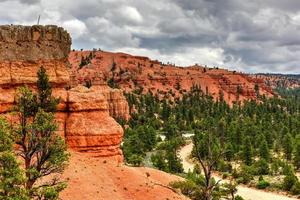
{"points": [[89, 126], [33, 43], [83, 114], [135, 72], [23, 50], [117, 103]]}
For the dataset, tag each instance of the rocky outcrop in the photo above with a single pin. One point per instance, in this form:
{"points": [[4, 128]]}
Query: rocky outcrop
{"points": [[275, 81], [117, 103], [33, 43], [23, 50], [89, 126], [83, 114], [135, 72]]}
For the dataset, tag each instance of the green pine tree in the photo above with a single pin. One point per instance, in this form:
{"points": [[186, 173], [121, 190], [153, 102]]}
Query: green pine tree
{"points": [[296, 157], [247, 151], [45, 99], [43, 151], [288, 146], [264, 151]]}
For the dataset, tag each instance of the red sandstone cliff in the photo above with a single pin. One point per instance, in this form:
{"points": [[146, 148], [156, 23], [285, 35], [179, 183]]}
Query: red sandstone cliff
{"points": [[84, 115], [132, 72]]}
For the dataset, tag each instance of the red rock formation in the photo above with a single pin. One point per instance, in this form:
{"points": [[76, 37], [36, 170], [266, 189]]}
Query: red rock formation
{"points": [[83, 114], [279, 80], [133, 72], [89, 126], [117, 103]]}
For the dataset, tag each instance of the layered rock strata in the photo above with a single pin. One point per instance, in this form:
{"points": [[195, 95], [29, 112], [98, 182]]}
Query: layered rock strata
{"points": [[135, 72], [83, 114], [89, 126]]}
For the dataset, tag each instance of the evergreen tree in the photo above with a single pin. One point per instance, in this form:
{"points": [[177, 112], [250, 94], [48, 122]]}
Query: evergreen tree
{"points": [[297, 152], [247, 151], [264, 151], [288, 146], [165, 113], [208, 160], [229, 152], [43, 151], [221, 131], [45, 99], [158, 161]]}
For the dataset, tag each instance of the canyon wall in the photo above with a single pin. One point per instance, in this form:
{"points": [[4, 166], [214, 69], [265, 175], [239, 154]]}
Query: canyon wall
{"points": [[84, 115]]}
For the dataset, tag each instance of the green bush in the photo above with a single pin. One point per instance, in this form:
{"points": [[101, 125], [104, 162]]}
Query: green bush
{"points": [[262, 184], [235, 174], [136, 160], [186, 187], [225, 175], [289, 181], [295, 190], [245, 175], [238, 197], [224, 167], [261, 167]]}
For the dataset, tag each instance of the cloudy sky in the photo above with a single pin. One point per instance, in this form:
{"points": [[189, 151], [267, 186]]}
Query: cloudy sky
{"points": [[250, 36]]}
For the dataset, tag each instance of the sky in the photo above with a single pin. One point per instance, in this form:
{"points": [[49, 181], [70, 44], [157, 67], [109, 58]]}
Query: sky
{"points": [[244, 35]]}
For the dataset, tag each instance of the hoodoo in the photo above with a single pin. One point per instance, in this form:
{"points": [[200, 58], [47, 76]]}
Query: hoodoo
{"points": [[84, 115]]}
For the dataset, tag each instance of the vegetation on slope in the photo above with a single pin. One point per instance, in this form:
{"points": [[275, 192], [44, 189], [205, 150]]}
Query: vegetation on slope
{"points": [[260, 140]]}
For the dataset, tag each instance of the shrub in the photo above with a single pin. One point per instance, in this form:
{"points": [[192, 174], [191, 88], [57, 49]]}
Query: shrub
{"points": [[295, 190], [261, 167], [224, 167], [245, 175], [225, 175], [197, 169], [238, 197], [262, 184], [135, 159], [187, 188], [289, 181], [235, 173]]}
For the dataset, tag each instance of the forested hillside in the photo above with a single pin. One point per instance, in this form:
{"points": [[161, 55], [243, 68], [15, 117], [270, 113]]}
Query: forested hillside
{"points": [[259, 140]]}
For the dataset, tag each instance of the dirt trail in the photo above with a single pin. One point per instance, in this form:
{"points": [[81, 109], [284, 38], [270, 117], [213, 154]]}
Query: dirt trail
{"points": [[245, 192]]}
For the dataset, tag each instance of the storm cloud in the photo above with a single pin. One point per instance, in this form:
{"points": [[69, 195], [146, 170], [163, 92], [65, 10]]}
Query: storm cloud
{"points": [[249, 36]]}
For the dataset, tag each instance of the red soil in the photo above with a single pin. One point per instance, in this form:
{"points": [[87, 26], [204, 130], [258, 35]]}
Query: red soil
{"points": [[91, 177]]}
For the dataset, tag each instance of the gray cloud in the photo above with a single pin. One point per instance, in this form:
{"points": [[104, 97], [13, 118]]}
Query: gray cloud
{"points": [[252, 36]]}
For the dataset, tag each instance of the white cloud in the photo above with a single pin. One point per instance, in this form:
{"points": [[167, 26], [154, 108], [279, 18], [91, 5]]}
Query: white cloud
{"points": [[131, 14], [76, 27], [202, 56]]}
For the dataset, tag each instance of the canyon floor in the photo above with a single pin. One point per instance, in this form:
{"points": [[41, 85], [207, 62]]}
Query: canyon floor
{"points": [[92, 178], [245, 192]]}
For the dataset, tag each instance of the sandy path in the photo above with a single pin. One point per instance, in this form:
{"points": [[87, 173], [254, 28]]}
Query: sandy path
{"points": [[245, 192]]}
